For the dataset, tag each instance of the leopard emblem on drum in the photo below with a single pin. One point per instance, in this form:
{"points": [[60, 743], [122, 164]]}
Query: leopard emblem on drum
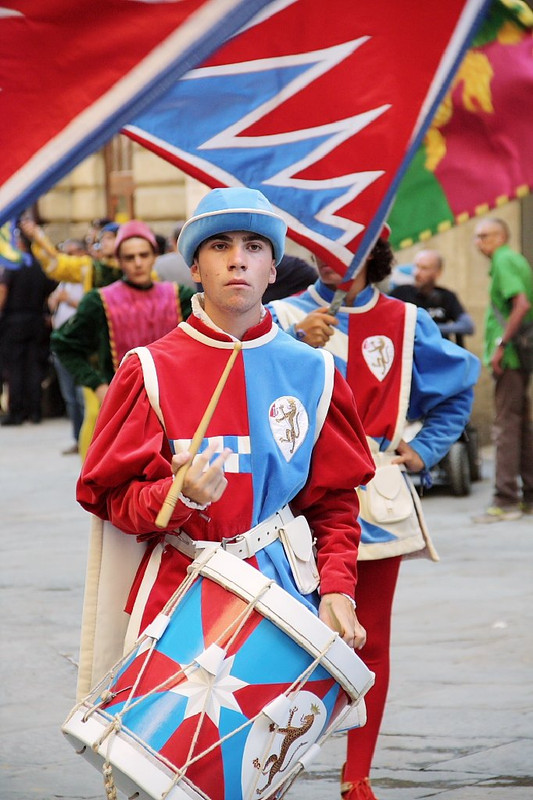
{"points": [[275, 763]]}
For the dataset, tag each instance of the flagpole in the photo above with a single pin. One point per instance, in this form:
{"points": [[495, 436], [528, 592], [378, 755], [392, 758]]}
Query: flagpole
{"points": [[337, 302]]}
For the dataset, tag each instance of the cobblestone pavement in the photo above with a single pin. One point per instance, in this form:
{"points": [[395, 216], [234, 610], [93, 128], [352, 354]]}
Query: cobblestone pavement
{"points": [[459, 721]]}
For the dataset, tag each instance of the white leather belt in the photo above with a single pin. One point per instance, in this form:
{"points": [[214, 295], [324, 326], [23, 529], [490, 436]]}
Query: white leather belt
{"points": [[244, 545]]}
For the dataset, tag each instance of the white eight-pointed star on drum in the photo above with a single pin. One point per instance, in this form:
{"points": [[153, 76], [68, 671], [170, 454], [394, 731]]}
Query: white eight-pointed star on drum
{"points": [[210, 691]]}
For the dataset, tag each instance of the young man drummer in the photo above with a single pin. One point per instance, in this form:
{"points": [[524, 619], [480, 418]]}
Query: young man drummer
{"points": [[284, 439]]}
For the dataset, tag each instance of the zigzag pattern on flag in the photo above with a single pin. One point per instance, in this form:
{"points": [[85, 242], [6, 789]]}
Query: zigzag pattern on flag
{"points": [[324, 123]]}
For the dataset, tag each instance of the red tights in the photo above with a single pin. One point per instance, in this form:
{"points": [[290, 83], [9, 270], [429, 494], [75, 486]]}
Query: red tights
{"points": [[374, 594]]}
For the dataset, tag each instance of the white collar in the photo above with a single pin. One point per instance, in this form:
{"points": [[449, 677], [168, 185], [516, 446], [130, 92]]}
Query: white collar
{"points": [[197, 303]]}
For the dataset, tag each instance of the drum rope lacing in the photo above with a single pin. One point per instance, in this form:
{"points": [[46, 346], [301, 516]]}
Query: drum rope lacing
{"points": [[105, 695], [295, 687], [116, 722], [109, 781]]}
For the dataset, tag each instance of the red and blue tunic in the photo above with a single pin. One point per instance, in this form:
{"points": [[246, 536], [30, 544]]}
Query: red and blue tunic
{"points": [[289, 418], [400, 369]]}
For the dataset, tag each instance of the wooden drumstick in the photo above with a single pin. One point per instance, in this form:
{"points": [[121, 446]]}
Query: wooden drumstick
{"points": [[169, 503]]}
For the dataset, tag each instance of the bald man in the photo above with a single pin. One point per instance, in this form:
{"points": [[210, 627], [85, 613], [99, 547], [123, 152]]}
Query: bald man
{"points": [[442, 304]]}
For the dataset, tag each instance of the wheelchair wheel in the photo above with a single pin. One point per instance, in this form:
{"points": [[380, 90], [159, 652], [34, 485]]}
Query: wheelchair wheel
{"points": [[471, 439], [458, 469]]}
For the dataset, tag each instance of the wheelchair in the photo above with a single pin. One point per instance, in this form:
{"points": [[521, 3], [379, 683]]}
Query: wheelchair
{"points": [[460, 467]]}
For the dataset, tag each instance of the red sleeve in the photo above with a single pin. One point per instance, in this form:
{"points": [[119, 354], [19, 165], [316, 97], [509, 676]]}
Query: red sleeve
{"points": [[341, 461], [126, 474]]}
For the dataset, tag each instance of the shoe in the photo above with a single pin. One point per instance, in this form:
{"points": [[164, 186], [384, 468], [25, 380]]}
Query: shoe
{"points": [[70, 451], [499, 514], [11, 420], [356, 790]]}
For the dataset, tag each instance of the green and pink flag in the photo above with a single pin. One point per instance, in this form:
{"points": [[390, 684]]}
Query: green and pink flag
{"points": [[478, 152]]}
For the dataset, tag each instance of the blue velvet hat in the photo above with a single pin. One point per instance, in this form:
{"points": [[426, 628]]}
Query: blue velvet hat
{"points": [[234, 209]]}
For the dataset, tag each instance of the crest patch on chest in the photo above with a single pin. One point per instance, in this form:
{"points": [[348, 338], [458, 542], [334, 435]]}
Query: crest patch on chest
{"points": [[378, 352], [289, 424]]}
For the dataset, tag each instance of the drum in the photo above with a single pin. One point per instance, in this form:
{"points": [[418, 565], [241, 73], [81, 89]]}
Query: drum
{"points": [[227, 695]]}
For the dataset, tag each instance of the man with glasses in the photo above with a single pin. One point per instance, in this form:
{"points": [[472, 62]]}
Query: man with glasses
{"points": [[511, 303]]}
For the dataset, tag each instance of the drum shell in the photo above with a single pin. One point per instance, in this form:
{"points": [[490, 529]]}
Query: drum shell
{"points": [[283, 669]]}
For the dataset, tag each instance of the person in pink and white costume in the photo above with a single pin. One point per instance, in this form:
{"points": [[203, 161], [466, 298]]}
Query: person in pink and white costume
{"points": [[128, 313]]}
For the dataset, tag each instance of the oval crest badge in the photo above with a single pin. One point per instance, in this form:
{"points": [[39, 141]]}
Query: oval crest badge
{"points": [[289, 424]]}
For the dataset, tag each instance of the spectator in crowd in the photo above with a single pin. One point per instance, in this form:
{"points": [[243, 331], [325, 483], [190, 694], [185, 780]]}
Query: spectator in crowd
{"points": [[95, 269], [113, 319], [442, 305], [93, 234], [24, 335], [171, 266], [92, 271], [63, 303], [511, 304]]}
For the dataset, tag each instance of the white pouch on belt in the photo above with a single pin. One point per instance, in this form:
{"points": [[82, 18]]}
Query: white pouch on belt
{"points": [[297, 541], [387, 497]]}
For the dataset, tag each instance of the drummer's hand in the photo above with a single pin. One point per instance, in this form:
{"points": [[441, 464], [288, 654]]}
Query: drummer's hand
{"points": [[204, 483], [338, 613]]}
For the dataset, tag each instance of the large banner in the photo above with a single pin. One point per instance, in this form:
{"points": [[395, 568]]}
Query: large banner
{"points": [[320, 106], [478, 152], [73, 73]]}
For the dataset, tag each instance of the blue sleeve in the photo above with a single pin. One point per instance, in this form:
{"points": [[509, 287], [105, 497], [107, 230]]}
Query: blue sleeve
{"points": [[463, 325], [442, 390], [291, 330]]}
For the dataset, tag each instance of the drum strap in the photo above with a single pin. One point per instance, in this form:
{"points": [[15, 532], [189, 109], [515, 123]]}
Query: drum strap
{"points": [[245, 545]]}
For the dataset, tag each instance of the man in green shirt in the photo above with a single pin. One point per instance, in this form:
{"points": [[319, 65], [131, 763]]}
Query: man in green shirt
{"points": [[511, 304]]}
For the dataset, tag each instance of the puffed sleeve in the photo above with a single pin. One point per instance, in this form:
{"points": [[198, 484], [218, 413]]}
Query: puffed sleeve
{"points": [[442, 390], [79, 338], [126, 474]]}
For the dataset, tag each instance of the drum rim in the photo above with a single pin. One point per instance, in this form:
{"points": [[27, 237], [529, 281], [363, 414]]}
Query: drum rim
{"points": [[150, 773]]}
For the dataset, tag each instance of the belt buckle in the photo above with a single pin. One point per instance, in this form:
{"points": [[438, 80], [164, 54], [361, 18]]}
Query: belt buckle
{"points": [[189, 545], [236, 540]]}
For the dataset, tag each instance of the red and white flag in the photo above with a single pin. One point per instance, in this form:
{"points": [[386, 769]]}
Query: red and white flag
{"points": [[320, 106], [73, 73]]}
